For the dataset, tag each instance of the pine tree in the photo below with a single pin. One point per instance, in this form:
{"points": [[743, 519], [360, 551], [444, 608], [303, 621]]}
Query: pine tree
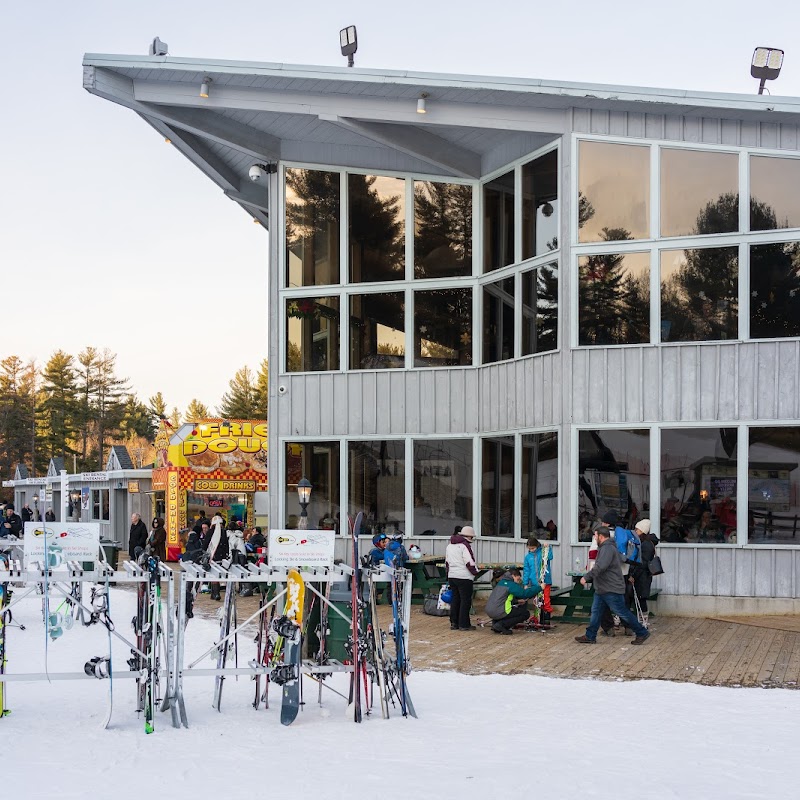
{"points": [[196, 411], [17, 406], [174, 418], [58, 407], [240, 401], [262, 391]]}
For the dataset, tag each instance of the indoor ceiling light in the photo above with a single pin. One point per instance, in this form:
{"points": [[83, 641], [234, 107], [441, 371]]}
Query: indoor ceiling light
{"points": [[204, 86], [766, 65], [421, 103]]}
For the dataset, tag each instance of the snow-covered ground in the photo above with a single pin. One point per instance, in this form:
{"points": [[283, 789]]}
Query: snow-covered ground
{"points": [[476, 737]]}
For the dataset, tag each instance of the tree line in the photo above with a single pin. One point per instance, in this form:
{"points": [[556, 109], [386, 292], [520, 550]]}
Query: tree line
{"points": [[78, 407]]}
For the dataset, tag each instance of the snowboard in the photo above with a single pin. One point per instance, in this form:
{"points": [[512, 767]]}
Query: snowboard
{"points": [[293, 612]]}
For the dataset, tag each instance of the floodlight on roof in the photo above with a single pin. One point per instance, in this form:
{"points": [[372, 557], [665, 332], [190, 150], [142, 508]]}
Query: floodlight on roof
{"points": [[158, 48], [766, 65], [348, 39], [204, 87]]}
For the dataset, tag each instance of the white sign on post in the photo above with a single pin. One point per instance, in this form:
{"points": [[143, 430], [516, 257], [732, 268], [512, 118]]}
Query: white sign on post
{"points": [[299, 548], [66, 541]]}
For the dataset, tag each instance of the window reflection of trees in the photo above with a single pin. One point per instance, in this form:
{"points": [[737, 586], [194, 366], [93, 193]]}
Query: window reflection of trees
{"points": [[377, 228], [540, 309], [443, 230], [775, 290], [614, 296], [443, 328], [312, 227]]}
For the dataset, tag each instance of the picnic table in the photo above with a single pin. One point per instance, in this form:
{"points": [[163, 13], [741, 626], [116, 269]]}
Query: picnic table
{"points": [[429, 574], [577, 600]]}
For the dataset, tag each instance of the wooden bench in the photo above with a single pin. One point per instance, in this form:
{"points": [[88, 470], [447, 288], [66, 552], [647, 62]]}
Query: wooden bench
{"points": [[768, 523]]}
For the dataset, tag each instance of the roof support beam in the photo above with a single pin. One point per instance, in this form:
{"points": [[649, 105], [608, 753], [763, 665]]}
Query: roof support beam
{"points": [[121, 90], [353, 106], [415, 142], [247, 194]]}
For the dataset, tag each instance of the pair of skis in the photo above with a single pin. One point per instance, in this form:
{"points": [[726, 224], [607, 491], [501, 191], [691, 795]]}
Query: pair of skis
{"points": [[5, 619]]}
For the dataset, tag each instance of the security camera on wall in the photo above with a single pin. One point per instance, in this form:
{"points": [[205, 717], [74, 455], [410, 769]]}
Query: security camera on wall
{"points": [[257, 173]]}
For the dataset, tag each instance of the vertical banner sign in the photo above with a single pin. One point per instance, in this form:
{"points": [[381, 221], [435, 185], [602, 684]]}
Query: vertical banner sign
{"points": [[172, 508], [66, 541], [85, 494], [298, 548]]}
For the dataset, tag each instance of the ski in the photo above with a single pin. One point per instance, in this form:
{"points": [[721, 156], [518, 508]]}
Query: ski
{"points": [[5, 618], [261, 643], [379, 658], [290, 629], [355, 635], [399, 643], [151, 640], [228, 612], [322, 638]]}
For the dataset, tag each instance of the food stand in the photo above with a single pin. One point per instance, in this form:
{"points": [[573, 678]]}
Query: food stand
{"points": [[215, 466]]}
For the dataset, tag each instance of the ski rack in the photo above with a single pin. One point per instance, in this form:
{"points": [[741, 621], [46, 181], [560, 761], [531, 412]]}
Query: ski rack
{"points": [[172, 631], [193, 573], [60, 580]]}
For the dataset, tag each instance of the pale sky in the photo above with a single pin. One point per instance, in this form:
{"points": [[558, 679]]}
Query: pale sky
{"points": [[109, 237]]}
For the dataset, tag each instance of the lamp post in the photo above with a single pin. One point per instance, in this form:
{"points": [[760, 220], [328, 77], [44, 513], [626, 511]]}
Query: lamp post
{"points": [[304, 495]]}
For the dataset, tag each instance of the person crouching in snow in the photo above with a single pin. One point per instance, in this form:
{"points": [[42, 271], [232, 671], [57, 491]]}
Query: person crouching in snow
{"points": [[507, 604]]}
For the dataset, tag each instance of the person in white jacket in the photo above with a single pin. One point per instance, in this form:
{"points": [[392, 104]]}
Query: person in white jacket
{"points": [[461, 572]]}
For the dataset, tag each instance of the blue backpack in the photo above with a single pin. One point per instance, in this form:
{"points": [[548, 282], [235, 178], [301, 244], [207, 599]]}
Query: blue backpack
{"points": [[628, 545]]}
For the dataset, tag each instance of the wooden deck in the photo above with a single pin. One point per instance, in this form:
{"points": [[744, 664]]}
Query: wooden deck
{"points": [[695, 650], [734, 651]]}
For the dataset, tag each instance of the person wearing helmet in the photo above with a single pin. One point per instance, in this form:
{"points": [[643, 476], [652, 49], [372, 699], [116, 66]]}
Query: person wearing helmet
{"points": [[379, 542], [395, 554]]}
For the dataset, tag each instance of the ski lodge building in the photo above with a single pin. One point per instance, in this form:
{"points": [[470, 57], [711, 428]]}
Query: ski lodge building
{"points": [[518, 304]]}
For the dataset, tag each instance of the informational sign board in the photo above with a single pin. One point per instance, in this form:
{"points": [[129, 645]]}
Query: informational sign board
{"points": [[66, 541], [299, 548]]}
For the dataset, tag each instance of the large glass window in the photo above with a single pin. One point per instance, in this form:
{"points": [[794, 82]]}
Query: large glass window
{"points": [[614, 299], [540, 309], [613, 192], [377, 331], [442, 230], [498, 321], [376, 210], [540, 485], [773, 488], [443, 328], [698, 485], [699, 294], [613, 475], [100, 504], [442, 485], [540, 212], [774, 199], [318, 462], [498, 222], [775, 290], [376, 484], [497, 486], [699, 192], [312, 334], [312, 227]]}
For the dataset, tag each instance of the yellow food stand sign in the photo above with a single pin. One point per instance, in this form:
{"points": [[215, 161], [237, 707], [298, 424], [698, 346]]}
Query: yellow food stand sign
{"points": [[210, 461]]}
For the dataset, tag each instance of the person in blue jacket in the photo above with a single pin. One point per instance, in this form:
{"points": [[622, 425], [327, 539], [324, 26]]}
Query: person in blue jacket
{"points": [[532, 574], [395, 554], [379, 542]]}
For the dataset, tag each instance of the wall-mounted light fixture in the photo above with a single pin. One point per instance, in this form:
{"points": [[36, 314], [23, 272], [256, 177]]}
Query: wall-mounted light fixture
{"points": [[204, 86], [421, 109]]}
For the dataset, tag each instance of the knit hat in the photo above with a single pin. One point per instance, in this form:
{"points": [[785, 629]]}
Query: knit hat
{"points": [[610, 517], [643, 525], [468, 532]]}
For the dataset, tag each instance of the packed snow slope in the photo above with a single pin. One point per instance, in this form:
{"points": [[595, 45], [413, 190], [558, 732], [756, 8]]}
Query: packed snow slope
{"points": [[476, 737]]}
